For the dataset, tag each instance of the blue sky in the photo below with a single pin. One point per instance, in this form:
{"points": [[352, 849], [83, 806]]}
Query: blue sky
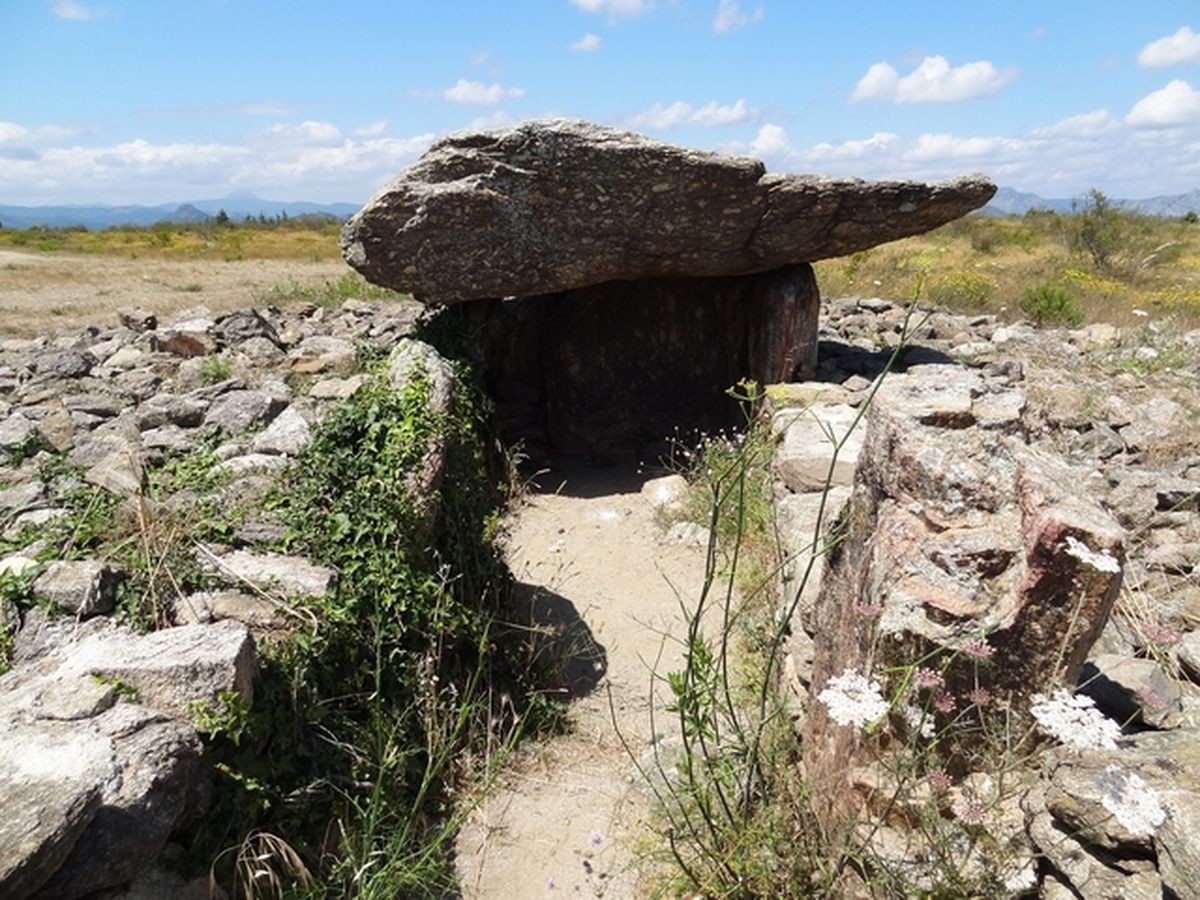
{"points": [[155, 101]]}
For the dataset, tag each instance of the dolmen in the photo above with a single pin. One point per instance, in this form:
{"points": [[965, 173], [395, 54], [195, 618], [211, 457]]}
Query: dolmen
{"points": [[615, 286]]}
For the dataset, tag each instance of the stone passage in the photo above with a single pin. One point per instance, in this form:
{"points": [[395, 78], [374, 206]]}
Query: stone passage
{"points": [[642, 279]]}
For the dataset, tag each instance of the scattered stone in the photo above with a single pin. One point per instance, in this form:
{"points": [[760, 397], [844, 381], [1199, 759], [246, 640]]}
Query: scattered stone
{"points": [[83, 587], [239, 410], [15, 431], [336, 388], [174, 668], [287, 435], [121, 472], [809, 456], [291, 576], [666, 493], [137, 319], [320, 353], [191, 338], [62, 364]]}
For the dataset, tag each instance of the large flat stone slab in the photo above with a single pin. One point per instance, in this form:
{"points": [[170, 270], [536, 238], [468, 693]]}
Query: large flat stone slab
{"points": [[558, 204]]}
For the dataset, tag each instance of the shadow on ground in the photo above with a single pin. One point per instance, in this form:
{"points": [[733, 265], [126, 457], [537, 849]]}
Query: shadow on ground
{"points": [[562, 646]]}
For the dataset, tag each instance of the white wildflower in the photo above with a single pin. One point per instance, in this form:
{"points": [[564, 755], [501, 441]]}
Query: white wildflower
{"points": [[853, 699], [918, 721], [1100, 560], [1133, 802], [1074, 720], [1141, 313]]}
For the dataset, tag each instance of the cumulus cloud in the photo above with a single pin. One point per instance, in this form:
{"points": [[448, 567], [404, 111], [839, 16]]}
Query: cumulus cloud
{"points": [[1084, 125], [615, 9], [74, 12], [730, 16], [933, 81], [1181, 47], [586, 44], [681, 112], [476, 93], [309, 159], [1176, 104]]}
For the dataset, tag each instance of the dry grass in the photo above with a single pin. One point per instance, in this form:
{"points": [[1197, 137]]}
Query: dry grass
{"points": [[42, 292], [981, 264]]}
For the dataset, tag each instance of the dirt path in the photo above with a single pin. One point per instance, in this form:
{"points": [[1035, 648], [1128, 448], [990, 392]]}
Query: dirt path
{"points": [[568, 814]]}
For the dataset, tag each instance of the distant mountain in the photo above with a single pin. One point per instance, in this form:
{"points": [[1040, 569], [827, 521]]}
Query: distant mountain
{"points": [[236, 206], [1009, 202]]}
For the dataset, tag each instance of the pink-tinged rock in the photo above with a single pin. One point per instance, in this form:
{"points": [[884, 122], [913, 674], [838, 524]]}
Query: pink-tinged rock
{"points": [[964, 545]]}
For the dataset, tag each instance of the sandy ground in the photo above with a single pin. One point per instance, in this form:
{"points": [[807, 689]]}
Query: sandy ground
{"points": [[569, 814], [43, 292]]}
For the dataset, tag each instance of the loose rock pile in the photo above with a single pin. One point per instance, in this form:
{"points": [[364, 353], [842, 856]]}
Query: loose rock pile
{"points": [[99, 750], [983, 524]]}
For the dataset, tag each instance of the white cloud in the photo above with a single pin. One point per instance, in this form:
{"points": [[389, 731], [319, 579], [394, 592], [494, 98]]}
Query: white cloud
{"points": [[1084, 125], [371, 129], [75, 12], [586, 44], [297, 160], [1181, 47], [1176, 104], [877, 143], [730, 16], [771, 140], [933, 81], [946, 147], [480, 58], [681, 112], [477, 93], [305, 134], [615, 9]]}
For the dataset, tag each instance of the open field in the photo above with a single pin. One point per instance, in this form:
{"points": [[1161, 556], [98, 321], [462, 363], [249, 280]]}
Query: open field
{"points": [[1126, 270]]}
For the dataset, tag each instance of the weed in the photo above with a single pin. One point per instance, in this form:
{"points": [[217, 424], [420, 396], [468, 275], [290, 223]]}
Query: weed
{"points": [[350, 286], [739, 818], [366, 708], [1050, 305], [215, 369]]}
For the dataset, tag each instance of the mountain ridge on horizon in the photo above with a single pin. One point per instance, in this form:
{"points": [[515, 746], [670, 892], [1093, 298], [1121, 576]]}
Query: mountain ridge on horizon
{"points": [[242, 204]]}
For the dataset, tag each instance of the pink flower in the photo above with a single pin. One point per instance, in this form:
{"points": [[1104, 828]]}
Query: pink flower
{"points": [[925, 677], [940, 779], [977, 648], [945, 702], [981, 696]]}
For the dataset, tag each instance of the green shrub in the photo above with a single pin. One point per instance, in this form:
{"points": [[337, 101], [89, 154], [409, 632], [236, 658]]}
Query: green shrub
{"points": [[1050, 305]]}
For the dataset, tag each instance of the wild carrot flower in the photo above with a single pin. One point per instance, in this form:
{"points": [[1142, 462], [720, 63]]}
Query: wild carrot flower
{"points": [[1131, 801], [918, 721], [853, 699], [1074, 720]]}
